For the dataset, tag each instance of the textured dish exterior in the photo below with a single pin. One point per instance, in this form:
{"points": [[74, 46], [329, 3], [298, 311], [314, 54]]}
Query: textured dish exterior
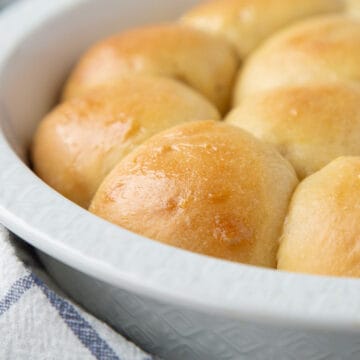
{"points": [[172, 302], [176, 332]]}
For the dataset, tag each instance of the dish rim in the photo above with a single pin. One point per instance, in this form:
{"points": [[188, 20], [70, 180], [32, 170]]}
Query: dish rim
{"points": [[70, 234]]}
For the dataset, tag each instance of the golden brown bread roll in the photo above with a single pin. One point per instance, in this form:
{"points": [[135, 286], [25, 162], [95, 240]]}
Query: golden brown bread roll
{"points": [[310, 125], [80, 141], [321, 50], [206, 187], [353, 7], [200, 60], [321, 234], [246, 23]]}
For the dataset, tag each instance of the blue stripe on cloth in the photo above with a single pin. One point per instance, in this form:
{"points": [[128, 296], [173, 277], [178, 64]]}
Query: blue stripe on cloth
{"points": [[17, 290], [79, 326]]}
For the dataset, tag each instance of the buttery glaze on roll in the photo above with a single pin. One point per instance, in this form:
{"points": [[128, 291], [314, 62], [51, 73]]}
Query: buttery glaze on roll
{"points": [[321, 234], [309, 125], [200, 60], [321, 50], [207, 187], [81, 140], [246, 23]]}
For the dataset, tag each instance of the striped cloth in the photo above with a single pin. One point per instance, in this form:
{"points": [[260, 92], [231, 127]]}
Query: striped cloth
{"points": [[37, 322], [4, 3]]}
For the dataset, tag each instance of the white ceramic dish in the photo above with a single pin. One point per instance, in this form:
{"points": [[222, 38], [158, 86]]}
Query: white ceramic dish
{"points": [[175, 304]]}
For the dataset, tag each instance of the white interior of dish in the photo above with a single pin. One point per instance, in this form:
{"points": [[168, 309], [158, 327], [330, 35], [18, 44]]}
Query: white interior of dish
{"points": [[40, 42]]}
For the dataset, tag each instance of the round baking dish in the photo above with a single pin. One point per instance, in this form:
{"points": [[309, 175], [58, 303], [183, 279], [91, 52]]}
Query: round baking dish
{"points": [[174, 303]]}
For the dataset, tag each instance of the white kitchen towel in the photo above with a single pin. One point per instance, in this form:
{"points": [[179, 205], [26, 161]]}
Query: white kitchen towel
{"points": [[37, 322]]}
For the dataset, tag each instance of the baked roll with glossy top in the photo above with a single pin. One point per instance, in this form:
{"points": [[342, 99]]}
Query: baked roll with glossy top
{"points": [[202, 61], [309, 125], [353, 7], [321, 50], [207, 187], [81, 140], [321, 234], [246, 23]]}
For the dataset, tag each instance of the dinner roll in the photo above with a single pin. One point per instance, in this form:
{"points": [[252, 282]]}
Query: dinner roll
{"points": [[206, 63], [310, 125], [80, 141], [246, 23], [321, 234], [206, 187], [353, 7], [325, 49]]}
